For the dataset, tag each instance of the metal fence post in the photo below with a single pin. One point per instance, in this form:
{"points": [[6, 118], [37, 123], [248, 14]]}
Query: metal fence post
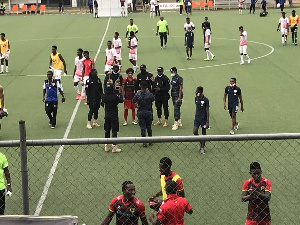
{"points": [[24, 171]]}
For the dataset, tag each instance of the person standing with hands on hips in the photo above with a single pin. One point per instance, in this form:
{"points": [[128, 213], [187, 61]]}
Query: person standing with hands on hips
{"points": [[4, 171]]}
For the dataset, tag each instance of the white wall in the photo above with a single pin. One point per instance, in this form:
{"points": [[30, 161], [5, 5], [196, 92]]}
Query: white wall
{"points": [[107, 8]]}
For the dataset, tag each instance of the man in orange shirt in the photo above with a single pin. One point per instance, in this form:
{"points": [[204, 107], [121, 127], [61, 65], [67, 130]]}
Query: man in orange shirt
{"points": [[293, 23]]}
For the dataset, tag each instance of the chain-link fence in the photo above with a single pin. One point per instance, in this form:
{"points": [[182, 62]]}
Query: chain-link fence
{"points": [[77, 177]]}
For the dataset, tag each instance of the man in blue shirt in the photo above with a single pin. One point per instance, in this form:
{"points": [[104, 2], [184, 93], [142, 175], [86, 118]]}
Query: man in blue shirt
{"points": [[51, 101], [201, 115], [252, 6]]}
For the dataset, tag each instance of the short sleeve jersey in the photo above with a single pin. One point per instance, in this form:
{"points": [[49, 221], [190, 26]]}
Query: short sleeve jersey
{"points": [[189, 35], [117, 43], [133, 42], [233, 95], [3, 164], [88, 63], [133, 28], [284, 22], [110, 56], [129, 87], [258, 209], [79, 65], [174, 177], [187, 25], [243, 38], [294, 20], [127, 213], [51, 90], [172, 210], [162, 26], [201, 105], [176, 82]]}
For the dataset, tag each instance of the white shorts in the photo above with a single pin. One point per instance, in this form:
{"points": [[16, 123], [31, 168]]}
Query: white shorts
{"points": [[243, 49], [284, 31], [206, 45], [240, 5], [4, 56], [57, 74], [107, 68], [118, 56], [152, 9], [85, 78], [133, 56], [77, 78]]}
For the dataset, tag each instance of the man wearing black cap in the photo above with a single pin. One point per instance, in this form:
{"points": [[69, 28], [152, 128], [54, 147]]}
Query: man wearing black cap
{"points": [[161, 89], [144, 75], [177, 94], [144, 100], [114, 78], [111, 100], [257, 190]]}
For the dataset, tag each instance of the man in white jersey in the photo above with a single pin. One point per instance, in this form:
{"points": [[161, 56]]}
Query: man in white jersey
{"points": [[209, 55], [117, 44], [243, 45], [152, 7], [241, 4], [188, 24], [284, 23], [133, 50], [111, 57], [78, 73]]}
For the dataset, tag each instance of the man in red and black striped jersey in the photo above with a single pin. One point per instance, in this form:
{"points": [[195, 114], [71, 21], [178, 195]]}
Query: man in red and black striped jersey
{"points": [[127, 207], [257, 190], [171, 212], [167, 174]]}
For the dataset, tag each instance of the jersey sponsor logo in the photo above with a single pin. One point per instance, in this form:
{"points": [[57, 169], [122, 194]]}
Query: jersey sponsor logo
{"points": [[202, 103], [132, 210]]}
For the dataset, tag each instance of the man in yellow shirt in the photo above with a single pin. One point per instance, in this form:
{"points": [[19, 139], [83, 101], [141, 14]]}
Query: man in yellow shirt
{"points": [[181, 7], [293, 23], [163, 31], [131, 27], [4, 172], [2, 8], [57, 62], [4, 52]]}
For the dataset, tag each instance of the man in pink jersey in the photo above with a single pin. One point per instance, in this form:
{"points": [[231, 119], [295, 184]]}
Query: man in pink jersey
{"points": [[78, 73], [243, 45], [88, 65], [117, 44], [111, 57], [284, 23], [133, 50], [241, 4]]}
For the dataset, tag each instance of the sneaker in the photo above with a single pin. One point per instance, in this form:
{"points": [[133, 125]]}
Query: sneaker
{"points": [[78, 96], [125, 123], [165, 46], [145, 145], [231, 132], [187, 58], [135, 123], [242, 62], [115, 149], [6, 71], [50, 122], [157, 123], [249, 60], [165, 124], [236, 127], [206, 59], [88, 126], [52, 126], [82, 97], [161, 47], [202, 151], [95, 124], [296, 44], [85, 103], [1, 72], [179, 123], [106, 148], [212, 57]]}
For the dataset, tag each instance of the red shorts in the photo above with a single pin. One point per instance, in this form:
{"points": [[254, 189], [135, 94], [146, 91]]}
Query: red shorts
{"points": [[128, 104], [251, 222]]}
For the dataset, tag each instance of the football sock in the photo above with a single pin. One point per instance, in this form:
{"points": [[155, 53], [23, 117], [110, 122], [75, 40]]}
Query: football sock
{"points": [[247, 56], [133, 114], [282, 39], [125, 114], [2, 68], [6, 68], [77, 89], [242, 58]]}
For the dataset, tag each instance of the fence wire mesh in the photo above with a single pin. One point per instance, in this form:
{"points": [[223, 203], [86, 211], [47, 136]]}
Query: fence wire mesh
{"points": [[86, 178]]}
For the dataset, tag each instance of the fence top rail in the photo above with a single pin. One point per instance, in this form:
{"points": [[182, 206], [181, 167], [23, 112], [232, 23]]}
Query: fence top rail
{"points": [[158, 139]]}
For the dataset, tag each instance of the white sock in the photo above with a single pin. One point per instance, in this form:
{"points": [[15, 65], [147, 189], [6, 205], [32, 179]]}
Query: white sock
{"points": [[6, 68], [242, 58], [282, 39], [2, 68], [77, 89], [247, 56], [61, 87], [83, 91], [207, 54]]}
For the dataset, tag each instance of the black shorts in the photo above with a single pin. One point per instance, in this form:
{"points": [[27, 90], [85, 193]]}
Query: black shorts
{"points": [[200, 122], [233, 108], [111, 124], [293, 29], [2, 201], [189, 45]]}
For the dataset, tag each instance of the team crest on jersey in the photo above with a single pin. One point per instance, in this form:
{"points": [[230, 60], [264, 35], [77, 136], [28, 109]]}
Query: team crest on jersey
{"points": [[262, 188], [132, 210], [202, 103]]}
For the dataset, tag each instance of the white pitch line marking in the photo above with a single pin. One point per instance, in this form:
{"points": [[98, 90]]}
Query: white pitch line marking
{"points": [[61, 148]]}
